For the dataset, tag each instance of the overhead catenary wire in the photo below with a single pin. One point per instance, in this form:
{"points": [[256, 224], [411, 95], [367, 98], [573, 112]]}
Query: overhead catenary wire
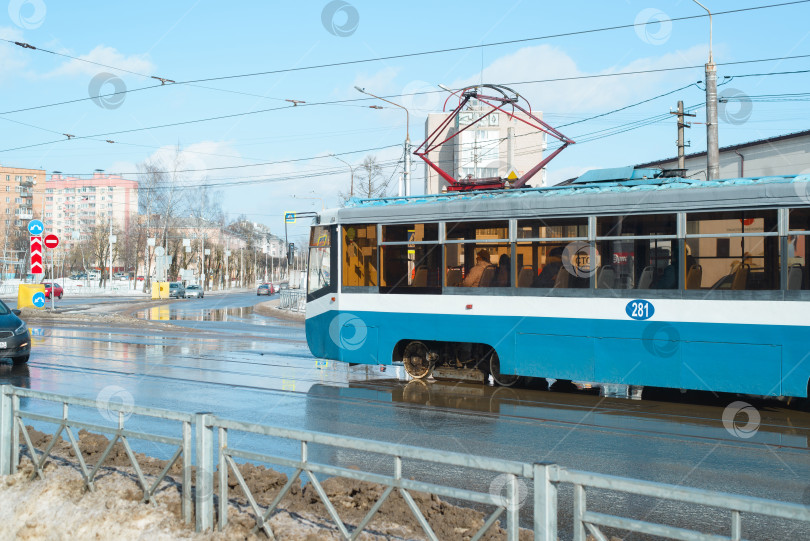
{"points": [[368, 60]]}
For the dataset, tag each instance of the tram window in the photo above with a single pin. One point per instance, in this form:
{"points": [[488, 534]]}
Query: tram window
{"points": [[410, 268], [636, 225], [798, 275], [461, 258], [411, 233], [799, 219], [637, 264], [730, 262], [552, 228], [359, 255], [494, 230], [319, 269], [540, 265]]}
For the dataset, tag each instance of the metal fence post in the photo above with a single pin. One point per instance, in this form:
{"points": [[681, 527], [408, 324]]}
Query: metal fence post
{"points": [[545, 501], [6, 428], [187, 450], [512, 509], [580, 504], [204, 493]]}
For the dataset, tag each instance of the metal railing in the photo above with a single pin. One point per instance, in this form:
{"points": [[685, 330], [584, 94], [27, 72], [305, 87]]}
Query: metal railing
{"points": [[545, 477], [12, 424], [294, 300]]}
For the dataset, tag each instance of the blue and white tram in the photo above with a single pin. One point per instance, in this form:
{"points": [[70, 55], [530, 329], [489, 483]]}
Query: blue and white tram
{"points": [[665, 282]]}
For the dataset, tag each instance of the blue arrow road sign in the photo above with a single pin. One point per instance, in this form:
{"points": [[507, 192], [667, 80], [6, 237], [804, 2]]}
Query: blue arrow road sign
{"points": [[36, 227], [39, 299]]}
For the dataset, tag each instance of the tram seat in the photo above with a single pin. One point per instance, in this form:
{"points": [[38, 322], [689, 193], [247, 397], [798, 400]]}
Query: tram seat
{"points": [[488, 277], [420, 277], [694, 278], [795, 274], [646, 278], [454, 278], [562, 279], [525, 277], [606, 277], [740, 281]]}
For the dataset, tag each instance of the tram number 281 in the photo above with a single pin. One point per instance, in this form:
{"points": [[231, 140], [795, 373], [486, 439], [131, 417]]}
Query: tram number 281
{"points": [[640, 309]]}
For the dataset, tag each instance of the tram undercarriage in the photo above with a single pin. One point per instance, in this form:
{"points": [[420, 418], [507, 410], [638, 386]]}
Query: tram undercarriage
{"points": [[460, 361]]}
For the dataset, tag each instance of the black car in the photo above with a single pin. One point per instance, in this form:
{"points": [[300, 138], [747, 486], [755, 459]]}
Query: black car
{"points": [[15, 340]]}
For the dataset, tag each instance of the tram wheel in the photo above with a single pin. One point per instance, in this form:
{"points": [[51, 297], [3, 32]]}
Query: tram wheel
{"points": [[504, 380], [416, 359]]}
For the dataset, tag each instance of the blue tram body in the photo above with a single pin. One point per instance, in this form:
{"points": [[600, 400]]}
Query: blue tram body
{"points": [[684, 284]]}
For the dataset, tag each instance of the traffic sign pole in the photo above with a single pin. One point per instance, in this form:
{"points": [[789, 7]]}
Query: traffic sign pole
{"points": [[51, 242]]}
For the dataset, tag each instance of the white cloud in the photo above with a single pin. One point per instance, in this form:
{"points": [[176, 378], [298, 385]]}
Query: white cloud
{"points": [[103, 55], [584, 95], [12, 58]]}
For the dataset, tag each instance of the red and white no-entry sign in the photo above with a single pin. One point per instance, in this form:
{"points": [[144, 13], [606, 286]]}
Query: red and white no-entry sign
{"points": [[51, 241]]}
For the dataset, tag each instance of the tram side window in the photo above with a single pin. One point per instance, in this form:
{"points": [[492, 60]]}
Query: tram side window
{"points": [[410, 259], [480, 256], [359, 255], [645, 259], [798, 274], [723, 259], [319, 269], [542, 244]]}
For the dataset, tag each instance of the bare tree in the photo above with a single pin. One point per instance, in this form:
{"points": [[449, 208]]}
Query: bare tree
{"points": [[369, 181]]}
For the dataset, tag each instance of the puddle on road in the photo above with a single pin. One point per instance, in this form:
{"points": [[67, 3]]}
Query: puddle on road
{"points": [[170, 313]]}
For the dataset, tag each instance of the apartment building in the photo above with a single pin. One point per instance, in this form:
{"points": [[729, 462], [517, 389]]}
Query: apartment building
{"points": [[493, 147], [17, 186], [72, 206]]}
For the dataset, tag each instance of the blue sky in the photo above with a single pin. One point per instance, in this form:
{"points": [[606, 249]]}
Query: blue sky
{"points": [[194, 40]]}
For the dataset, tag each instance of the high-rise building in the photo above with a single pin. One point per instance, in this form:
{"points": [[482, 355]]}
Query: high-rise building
{"points": [[492, 147], [17, 193], [72, 206]]}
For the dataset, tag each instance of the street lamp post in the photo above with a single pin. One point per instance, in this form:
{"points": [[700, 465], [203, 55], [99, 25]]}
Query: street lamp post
{"points": [[407, 173], [712, 141], [351, 170]]}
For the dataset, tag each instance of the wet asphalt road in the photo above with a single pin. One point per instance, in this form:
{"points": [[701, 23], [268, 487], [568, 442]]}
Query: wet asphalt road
{"points": [[222, 357]]}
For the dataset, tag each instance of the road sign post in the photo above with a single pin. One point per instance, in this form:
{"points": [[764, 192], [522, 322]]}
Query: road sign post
{"points": [[51, 242]]}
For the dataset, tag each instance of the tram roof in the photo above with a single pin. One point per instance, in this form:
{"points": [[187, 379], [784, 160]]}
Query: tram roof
{"points": [[599, 197]]}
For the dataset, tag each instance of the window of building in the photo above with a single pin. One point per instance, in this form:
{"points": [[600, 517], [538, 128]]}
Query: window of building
{"points": [[18, 200], [478, 254], [49, 198], [48, 190], [8, 200], [359, 255], [410, 259], [8, 178], [733, 250], [18, 178], [637, 252], [8, 188]]}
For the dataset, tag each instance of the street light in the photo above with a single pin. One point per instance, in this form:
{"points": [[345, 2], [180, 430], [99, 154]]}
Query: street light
{"points": [[110, 236], [712, 140], [351, 170], [407, 137]]}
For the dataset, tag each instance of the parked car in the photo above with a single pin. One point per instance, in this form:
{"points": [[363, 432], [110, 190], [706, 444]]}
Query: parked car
{"points": [[139, 278], [176, 290], [57, 290], [15, 340], [265, 289], [120, 276], [283, 285], [79, 276], [194, 291], [94, 275]]}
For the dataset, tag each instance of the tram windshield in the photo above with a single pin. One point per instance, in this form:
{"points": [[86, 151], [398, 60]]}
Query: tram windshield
{"points": [[320, 260]]}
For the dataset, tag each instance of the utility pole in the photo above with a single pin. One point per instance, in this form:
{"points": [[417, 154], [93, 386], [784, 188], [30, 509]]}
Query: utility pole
{"points": [[681, 125], [712, 141]]}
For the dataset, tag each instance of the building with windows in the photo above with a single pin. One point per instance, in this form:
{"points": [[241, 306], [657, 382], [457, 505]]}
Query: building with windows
{"points": [[787, 154], [72, 206], [17, 195], [492, 148]]}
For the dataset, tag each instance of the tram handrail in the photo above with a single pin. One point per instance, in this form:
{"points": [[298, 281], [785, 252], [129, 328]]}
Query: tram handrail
{"points": [[544, 478]]}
